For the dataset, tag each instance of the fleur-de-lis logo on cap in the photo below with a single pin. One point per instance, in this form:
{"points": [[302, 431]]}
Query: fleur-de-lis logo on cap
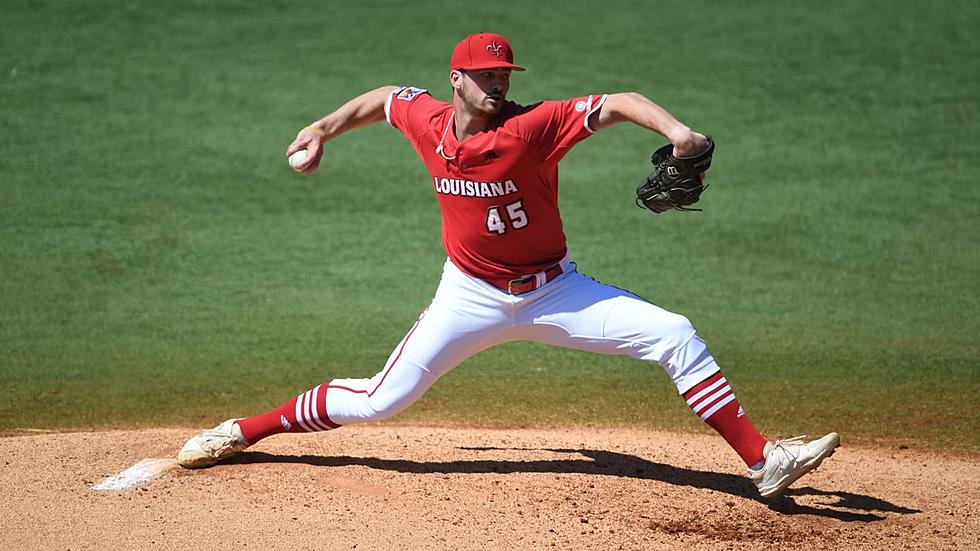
{"points": [[496, 50]]}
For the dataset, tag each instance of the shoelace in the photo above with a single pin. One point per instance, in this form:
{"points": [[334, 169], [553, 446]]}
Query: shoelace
{"points": [[780, 444]]}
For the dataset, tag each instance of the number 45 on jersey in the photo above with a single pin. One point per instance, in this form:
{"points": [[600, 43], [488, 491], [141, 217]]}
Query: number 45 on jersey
{"points": [[515, 216]]}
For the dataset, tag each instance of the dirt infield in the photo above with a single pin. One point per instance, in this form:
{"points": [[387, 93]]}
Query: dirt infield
{"points": [[397, 487]]}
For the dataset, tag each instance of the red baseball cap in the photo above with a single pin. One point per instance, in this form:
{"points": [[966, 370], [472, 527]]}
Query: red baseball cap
{"points": [[483, 51]]}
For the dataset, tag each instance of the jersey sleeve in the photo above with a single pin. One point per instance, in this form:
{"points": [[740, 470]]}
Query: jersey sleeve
{"points": [[409, 109], [551, 128]]}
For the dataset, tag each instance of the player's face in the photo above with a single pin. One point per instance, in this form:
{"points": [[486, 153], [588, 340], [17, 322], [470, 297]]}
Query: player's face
{"points": [[483, 90]]}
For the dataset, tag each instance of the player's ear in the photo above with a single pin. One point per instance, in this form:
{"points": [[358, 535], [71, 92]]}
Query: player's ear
{"points": [[456, 79]]}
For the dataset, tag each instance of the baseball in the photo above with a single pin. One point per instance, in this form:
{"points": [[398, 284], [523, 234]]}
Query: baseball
{"points": [[297, 158]]}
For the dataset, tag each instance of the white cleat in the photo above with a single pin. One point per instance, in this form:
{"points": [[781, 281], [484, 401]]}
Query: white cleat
{"points": [[788, 460], [212, 445]]}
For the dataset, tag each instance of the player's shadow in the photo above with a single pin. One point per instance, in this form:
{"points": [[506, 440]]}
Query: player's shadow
{"points": [[849, 507]]}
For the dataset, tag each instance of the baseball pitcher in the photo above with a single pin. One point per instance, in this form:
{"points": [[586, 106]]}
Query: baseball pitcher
{"points": [[493, 168]]}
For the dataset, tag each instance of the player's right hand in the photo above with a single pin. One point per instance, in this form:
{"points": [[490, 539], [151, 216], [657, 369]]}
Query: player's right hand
{"points": [[313, 144]]}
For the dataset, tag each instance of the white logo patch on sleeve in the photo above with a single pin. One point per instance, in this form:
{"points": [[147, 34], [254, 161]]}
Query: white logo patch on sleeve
{"points": [[409, 92]]}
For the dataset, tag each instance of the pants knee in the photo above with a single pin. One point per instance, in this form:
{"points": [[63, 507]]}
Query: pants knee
{"points": [[388, 405], [677, 330], [668, 334], [666, 340], [384, 395], [406, 384]]}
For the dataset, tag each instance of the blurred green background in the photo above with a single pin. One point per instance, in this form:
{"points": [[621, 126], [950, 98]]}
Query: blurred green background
{"points": [[160, 264]]}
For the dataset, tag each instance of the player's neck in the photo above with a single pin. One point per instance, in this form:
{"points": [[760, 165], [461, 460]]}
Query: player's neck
{"points": [[467, 123]]}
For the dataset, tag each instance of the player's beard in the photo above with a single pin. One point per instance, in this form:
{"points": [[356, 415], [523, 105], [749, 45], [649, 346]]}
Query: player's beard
{"points": [[497, 103], [479, 103]]}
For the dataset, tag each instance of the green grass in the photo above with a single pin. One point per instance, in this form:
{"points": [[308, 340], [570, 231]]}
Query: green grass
{"points": [[160, 264]]}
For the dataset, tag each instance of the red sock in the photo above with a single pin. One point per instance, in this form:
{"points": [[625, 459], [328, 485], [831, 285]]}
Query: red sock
{"points": [[304, 413], [714, 401]]}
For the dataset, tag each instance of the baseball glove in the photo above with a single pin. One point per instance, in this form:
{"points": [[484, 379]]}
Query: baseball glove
{"points": [[676, 182]]}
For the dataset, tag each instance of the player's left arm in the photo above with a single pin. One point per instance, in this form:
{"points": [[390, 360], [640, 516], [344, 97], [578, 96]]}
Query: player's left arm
{"points": [[636, 108]]}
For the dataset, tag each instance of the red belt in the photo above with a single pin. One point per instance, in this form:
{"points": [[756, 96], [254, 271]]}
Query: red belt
{"points": [[525, 284]]}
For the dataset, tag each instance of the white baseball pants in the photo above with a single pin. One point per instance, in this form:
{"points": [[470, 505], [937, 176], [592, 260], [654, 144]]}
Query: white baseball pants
{"points": [[468, 315]]}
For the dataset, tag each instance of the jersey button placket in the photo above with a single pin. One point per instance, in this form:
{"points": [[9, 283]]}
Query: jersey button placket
{"points": [[455, 166]]}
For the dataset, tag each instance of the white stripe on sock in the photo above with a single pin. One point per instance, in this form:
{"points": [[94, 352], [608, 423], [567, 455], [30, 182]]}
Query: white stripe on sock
{"points": [[314, 415], [307, 414], [716, 407], [300, 404], [705, 391], [707, 401]]}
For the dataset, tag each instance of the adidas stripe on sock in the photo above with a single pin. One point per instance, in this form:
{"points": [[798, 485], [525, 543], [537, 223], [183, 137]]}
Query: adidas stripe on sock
{"points": [[304, 413], [713, 400]]}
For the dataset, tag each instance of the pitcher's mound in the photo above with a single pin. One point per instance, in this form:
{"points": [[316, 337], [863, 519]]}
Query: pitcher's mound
{"points": [[398, 487]]}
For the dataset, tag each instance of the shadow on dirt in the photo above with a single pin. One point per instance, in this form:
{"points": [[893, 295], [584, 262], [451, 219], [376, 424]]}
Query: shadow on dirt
{"points": [[849, 507]]}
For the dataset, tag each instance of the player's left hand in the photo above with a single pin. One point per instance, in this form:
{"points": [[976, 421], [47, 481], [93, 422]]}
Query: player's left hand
{"points": [[312, 142], [678, 180], [692, 143]]}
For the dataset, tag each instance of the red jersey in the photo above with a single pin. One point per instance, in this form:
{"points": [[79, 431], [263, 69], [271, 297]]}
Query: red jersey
{"points": [[498, 190]]}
